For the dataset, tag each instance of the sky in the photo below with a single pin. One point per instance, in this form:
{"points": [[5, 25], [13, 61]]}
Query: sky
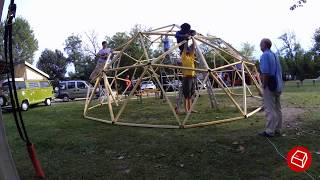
{"points": [[235, 21]]}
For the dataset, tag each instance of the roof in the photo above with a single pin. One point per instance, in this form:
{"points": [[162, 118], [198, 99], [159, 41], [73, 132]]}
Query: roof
{"points": [[36, 69]]}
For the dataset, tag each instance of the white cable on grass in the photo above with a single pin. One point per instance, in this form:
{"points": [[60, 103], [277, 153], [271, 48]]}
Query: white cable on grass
{"points": [[275, 147]]}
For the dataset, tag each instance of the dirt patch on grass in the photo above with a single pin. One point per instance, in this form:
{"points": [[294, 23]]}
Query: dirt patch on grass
{"points": [[290, 117]]}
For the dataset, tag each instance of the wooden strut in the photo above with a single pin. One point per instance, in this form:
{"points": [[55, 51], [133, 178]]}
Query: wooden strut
{"points": [[254, 79], [222, 50], [133, 124], [106, 66], [131, 93], [91, 96], [97, 105], [244, 90], [228, 94], [236, 70], [213, 122], [106, 84], [166, 97], [254, 111], [171, 25]]}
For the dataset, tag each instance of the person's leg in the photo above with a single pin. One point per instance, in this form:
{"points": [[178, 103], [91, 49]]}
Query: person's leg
{"points": [[185, 92], [186, 105], [269, 103], [189, 104], [278, 113]]}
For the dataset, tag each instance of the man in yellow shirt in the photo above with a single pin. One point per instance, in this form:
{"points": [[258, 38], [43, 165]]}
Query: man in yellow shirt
{"points": [[188, 82]]}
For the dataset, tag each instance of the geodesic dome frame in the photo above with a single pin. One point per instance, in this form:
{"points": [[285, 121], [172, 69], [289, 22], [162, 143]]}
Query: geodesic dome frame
{"points": [[241, 66]]}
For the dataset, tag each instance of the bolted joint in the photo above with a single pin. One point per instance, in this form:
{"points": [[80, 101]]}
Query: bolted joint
{"points": [[181, 126]]}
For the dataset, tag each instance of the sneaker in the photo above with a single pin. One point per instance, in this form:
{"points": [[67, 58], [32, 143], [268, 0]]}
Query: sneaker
{"points": [[265, 134]]}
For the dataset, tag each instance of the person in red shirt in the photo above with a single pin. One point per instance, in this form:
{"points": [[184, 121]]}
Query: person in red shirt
{"points": [[128, 82]]}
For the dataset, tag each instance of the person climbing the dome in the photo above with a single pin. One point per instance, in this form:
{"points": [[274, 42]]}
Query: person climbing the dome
{"points": [[166, 43], [188, 81], [184, 34], [103, 56]]}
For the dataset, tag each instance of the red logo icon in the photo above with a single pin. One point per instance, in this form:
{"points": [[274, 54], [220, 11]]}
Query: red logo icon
{"points": [[299, 159]]}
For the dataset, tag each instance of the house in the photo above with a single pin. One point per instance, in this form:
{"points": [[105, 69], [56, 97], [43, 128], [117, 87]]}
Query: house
{"points": [[28, 72]]}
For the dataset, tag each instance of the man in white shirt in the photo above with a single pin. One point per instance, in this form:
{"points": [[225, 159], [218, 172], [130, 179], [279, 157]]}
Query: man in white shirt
{"points": [[103, 56]]}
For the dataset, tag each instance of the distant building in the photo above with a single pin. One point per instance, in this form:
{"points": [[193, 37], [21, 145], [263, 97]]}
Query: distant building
{"points": [[28, 72]]}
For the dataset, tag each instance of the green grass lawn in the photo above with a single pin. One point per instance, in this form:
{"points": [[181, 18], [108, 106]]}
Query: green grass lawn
{"points": [[70, 147]]}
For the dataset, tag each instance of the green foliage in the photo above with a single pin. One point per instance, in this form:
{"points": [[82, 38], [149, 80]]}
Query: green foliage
{"points": [[84, 64], [84, 68], [316, 38], [295, 61], [53, 63], [24, 42], [73, 48], [247, 50]]}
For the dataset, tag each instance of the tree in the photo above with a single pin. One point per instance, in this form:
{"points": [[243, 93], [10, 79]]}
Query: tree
{"points": [[298, 63], [247, 50], [92, 48], [316, 38], [24, 42], [83, 63], [73, 47], [290, 45], [53, 63], [298, 3]]}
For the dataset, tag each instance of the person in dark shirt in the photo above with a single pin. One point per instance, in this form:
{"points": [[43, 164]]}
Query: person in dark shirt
{"points": [[184, 34]]}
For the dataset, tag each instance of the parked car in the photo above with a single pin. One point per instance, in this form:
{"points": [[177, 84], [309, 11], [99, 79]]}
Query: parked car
{"points": [[69, 90], [29, 92], [147, 85]]}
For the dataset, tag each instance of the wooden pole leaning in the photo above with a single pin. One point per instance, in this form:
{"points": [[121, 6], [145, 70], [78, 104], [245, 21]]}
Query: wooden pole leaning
{"points": [[106, 84], [91, 96], [86, 103], [254, 79], [143, 46], [244, 89]]}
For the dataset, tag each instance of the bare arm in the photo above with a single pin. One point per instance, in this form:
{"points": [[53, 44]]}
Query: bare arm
{"points": [[185, 46], [193, 46]]}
